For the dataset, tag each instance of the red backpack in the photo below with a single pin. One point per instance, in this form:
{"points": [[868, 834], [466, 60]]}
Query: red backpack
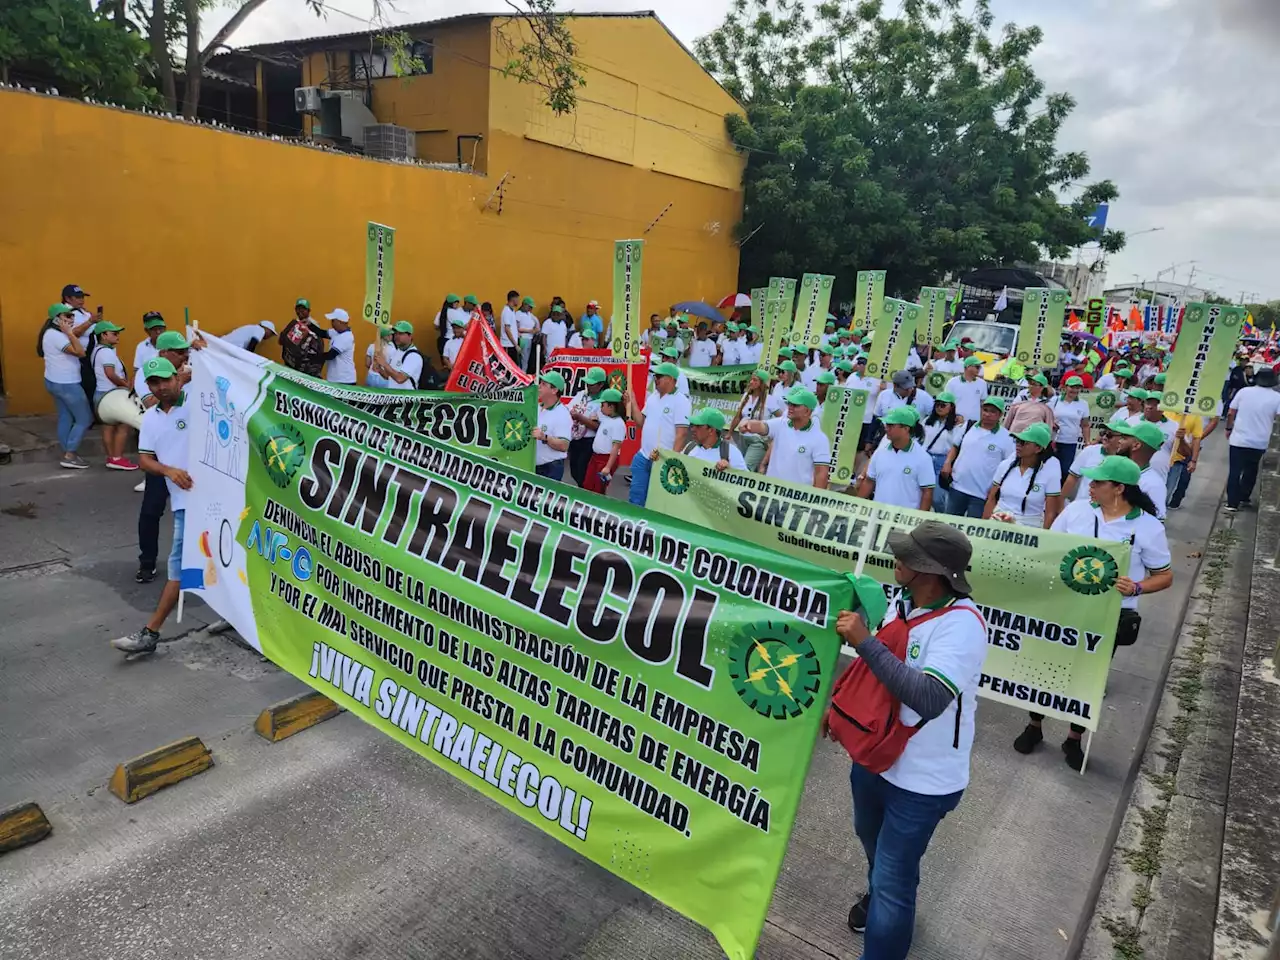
{"points": [[864, 715]]}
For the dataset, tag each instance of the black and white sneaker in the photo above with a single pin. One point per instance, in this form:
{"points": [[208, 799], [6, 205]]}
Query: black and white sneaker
{"points": [[144, 575], [858, 913], [144, 641]]}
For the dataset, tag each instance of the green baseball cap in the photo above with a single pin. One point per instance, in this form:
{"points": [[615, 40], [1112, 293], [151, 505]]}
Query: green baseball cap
{"points": [[708, 417], [844, 365], [457, 322], [172, 340], [1039, 378], [670, 322], [946, 396], [1147, 433], [789, 366], [152, 319], [752, 328], [798, 396], [859, 357], [997, 402], [451, 298], [105, 326], [859, 332], [302, 302], [58, 309], [829, 322], [904, 416], [588, 331], [158, 367], [951, 345], [972, 362], [825, 349], [786, 351], [667, 369], [845, 332], [1073, 381], [1160, 379], [1137, 393], [554, 379], [558, 308], [1037, 433], [610, 395], [403, 326], [595, 375], [671, 352], [827, 377], [1123, 370], [760, 373], [471, 299], [526, 301], [1116, 469], [731, 327]]}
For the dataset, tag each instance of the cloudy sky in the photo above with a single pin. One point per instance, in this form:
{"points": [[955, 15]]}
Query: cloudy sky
{"points": [[1178, 103]]}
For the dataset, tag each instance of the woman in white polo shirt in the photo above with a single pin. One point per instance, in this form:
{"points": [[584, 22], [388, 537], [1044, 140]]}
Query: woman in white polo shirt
{"points": [[971, 464], [754, 405], [1027, 489], [801, 452], [900, 472], [1071, 414], [62, 351], [1117, 510]]}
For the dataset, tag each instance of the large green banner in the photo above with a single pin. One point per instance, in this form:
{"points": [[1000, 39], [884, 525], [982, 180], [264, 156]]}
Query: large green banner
{"points": [[892, 337], [626, 324], [779, 310], [933, 301], [379, 273], [1201, 358], [842, 423], [759, 296], [645, 691], [719, 387], [1040, 331], [811, 310], [1048, 598], [868, 298]]}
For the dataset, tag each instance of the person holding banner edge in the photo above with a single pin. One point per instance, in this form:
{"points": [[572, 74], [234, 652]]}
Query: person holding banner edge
{"points": [[800, 451]]}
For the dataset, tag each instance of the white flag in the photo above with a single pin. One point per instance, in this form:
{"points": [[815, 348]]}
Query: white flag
{"points": [[1002, 301]]}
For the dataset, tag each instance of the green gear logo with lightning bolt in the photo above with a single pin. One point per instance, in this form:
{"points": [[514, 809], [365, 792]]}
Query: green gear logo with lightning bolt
{"points": [[775, 670], [515, 431], [283, 452], [674, 477], [1089, 570], [936, 381]]}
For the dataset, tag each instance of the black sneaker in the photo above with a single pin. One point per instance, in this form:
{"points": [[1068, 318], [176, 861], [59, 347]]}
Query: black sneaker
{"points": [[858, 913], [145, 575], [1074, 752], [1028, 739]]}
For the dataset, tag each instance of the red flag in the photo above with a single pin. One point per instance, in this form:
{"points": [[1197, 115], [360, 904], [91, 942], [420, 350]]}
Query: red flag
{"points": [[573, 366], [483, 364]]}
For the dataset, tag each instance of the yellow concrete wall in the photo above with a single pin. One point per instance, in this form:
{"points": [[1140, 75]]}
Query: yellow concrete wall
{"points": [[151, 214]]}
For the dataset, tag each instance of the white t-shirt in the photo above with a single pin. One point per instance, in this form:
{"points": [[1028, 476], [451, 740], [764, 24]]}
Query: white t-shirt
{"points": [[900, 476], [969, 396], [456, 314], [943, 365], [1069, 415], [557, 423], [1124, 416], [1105, 382], [242, 336], [146, 351], [1149, 547], [1086, 459], [59, 366], [1255, 407], [588, 405], [913, 361], [1154, 486], [526, 323], [981, 452], [509, 327], [889, 400], [104, 356], [557, 334], [950, 648], [712, 455], [662, 415], [1160, 461], [872, 386], [164, 436], [795, 452], [611, 430], [702, 353], [731, 352], [79, 317], [750, 353], [451, 349], [1017, 490], [410, 363], [938, 438], [342, 368]]}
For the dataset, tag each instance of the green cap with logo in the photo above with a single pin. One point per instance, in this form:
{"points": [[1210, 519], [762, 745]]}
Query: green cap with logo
{"points": [[471, 299], [946, 396], [1144, 431], [1137, 393], [403, 326], [610, 395], [1037, 433], [595, 375], [843, 365], [526, 301], [903, 416], [827, 377], [106, 326], [789, 366], [1116, 469], [798, 396], [302, 302], [708, 417], [158, 367], [1039, 378], [667, 369], [997, 402], [972, 362], [172, 340], [553, 379], [1073, 381], [58, 309]]}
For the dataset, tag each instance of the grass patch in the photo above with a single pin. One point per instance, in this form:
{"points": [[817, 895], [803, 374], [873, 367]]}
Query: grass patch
{"points": [[1142, 898], [1144, 859], [1125, 939]]}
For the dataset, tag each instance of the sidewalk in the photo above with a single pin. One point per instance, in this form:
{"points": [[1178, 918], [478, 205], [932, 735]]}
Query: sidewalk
{"points": [[35, 439]]}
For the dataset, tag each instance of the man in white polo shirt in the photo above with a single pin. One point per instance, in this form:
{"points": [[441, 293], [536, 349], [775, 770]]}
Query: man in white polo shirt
{"points": [[250, 335], [152, 326], [801, 452], [1249, 419], [900, 472], [554, 428], [340, 358], [710, 443], [969, 389], [663, 423], [163, 450]]}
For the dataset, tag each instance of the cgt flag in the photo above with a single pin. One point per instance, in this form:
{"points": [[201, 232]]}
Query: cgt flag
{"points": [[483, 364]]}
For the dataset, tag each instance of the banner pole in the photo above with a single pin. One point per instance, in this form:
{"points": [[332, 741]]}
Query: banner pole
{"points": [[1084, 765], [864, 547]]}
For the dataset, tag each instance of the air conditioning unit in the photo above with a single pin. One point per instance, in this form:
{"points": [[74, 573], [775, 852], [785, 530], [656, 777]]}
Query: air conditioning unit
{"points": [[306, 99], [387, 141]]}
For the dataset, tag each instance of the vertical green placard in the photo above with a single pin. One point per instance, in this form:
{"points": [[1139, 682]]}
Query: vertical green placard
{"points": [[759, 297], [892, 337], [784, 289], [1201, 358], [933, 300], [627, 256], [1102, 404], [868, 298], [811, 310], [842, 423], [772, 334], [1040, 329], [379, 273]]}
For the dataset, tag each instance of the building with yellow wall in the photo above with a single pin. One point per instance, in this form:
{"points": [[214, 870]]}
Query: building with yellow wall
{"points": [[151, 213]]}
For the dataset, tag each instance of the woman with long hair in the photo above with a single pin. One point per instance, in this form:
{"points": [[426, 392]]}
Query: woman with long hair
{"points": [[1118, 510], [754, 405], [941, 431], [1027, 487], [1072, 417], [62, 351]]}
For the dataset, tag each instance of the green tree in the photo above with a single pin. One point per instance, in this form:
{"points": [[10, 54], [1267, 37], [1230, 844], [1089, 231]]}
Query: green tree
{"points": [[1266, 315], [80, 51], [923, 143]]}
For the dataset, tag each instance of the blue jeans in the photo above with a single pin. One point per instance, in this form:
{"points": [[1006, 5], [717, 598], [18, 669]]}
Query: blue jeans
{"points": [[1176, 483], [1067, 456], [641, 467], [175, 552], [895, 827], [962, 505], [74, 415], [939, 492], [553, 470]]}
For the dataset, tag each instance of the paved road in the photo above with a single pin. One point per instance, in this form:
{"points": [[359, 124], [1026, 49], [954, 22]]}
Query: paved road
{"points": [[340, 843]]}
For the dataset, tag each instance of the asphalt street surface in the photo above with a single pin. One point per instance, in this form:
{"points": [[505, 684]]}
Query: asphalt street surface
{"points": [[339, 843]]}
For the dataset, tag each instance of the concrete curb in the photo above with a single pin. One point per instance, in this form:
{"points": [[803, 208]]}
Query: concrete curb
{"points": [[284, 719], [22, 824], [160, 768]]}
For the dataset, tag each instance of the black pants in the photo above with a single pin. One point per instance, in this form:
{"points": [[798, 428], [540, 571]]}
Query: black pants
{"points": [[1242, 473], [579, 458], [154, 497], [1126, 636], [88, 381]]}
